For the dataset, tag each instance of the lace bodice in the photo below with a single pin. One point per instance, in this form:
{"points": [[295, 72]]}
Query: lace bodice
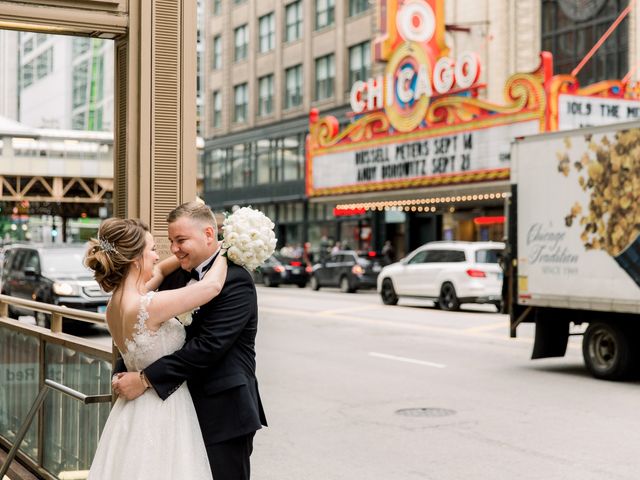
{"points": [[146, 346]]}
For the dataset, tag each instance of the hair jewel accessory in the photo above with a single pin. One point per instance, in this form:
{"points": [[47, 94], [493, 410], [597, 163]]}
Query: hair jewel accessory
{"points": [[107, 246]]}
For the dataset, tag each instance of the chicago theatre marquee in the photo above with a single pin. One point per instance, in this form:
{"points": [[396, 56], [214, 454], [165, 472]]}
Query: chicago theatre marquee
{"points": [[424, 157]]}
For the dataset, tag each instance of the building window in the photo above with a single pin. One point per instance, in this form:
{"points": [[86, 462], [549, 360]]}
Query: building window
{"points": [[359, 62], [98, 78], [265, 95], [77, 121], [217, 7], [217, 109], [238, 2], [28, 46], [40, 38], [80, 45], [292, 153], [44, 63], [96, 123], [358, 6], [267, 25], [241, 35], [79, 84], [264, 161], [213, 169], [293, 87], [216, 61], [293, 19], [27, 74], [325, 76], [325, 10], [569, 33], [241, 101]]}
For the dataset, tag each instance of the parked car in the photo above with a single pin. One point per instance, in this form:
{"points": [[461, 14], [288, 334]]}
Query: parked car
{"points": [[449, 273], [279, 270], [348, 269], [51, 274]]}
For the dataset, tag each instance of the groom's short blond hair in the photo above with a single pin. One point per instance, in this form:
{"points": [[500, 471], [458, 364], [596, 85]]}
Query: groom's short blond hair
{"points": [[196, 210]]}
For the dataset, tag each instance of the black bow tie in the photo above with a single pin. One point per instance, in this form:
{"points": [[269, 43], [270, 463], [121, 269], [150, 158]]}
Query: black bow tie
{"points": [[195, 275]]}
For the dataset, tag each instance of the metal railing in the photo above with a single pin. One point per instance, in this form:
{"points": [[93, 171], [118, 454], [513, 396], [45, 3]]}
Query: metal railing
{"points": [[37, 404], [64, 432], [57, 312]]}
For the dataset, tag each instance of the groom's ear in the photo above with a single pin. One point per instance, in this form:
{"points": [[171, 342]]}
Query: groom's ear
{"points": [[210, 234]]}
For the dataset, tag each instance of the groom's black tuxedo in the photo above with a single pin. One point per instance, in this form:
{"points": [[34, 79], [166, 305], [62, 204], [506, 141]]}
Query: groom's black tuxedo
{"points": [[217, 360]]}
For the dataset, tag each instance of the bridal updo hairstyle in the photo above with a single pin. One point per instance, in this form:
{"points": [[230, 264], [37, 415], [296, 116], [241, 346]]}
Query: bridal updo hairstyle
{"points": [[119, 243]]}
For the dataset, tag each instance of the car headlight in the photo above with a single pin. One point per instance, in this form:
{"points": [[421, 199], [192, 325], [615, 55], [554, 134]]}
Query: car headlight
{"points": [[62, 288]]}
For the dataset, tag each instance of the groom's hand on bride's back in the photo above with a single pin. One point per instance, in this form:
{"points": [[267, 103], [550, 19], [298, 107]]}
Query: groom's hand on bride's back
{"points": [[128, 385]]}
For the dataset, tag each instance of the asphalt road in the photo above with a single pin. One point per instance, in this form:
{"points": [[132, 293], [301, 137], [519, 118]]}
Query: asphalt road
{"points": [[338, 371], [357, 390]]}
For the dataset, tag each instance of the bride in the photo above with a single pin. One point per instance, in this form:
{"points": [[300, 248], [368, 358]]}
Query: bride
{"points": [[147, 437]]}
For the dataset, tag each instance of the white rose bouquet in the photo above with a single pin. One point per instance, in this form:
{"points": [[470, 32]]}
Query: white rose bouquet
{"points": [[248, 236]]}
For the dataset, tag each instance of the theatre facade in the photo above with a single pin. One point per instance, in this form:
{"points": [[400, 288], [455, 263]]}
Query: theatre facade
{"points": [[422, 150]]}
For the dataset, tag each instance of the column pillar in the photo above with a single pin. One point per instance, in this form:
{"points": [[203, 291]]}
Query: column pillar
{"points": [[155, 113]]}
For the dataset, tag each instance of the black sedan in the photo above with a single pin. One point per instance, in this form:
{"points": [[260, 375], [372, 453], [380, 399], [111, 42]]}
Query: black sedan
{"points": [[278, 270], [51, 274], [348, 269]]}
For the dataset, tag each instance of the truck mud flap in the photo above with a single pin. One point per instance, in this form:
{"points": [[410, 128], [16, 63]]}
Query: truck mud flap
{"points": [[552, 338]]}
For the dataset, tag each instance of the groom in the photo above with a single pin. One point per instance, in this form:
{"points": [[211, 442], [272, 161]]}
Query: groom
{"points": [[218, 358]]}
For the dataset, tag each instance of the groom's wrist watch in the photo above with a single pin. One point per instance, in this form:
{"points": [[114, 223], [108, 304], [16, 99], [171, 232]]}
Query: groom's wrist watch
{"points": [[143, 379]]}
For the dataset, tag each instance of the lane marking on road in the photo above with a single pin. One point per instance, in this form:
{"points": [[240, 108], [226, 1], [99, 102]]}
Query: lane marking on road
{"points": [[504, 340], [395, 324], [360, 308], [406, 360]]}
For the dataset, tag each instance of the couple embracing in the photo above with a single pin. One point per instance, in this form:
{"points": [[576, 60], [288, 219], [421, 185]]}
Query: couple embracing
{"points": [[158, 428]]}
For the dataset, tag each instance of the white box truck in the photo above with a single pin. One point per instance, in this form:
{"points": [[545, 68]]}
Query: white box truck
{"points": [[574, 244]]}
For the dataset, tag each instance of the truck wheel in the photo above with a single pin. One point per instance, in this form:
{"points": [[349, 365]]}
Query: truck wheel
{"points": [[448, 299], [388, 293], [267, 282], [607, 351]]}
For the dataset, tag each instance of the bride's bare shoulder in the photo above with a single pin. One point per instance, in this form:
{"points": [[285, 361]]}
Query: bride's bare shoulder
{"points": [[126, 310]]}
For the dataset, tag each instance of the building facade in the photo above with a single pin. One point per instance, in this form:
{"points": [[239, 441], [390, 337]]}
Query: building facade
{"points": [[65, 82], [9, 74], [272, 62]]}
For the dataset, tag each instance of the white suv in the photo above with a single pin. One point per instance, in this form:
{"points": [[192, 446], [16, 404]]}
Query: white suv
{"points": [[449, 273]]}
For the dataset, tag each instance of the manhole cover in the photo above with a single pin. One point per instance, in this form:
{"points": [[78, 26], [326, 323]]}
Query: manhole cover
{"points": [[425, 412]]}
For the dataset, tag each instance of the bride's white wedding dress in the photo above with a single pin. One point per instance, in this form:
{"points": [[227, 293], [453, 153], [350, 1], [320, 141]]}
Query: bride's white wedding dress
{"points": [[148, 438]]}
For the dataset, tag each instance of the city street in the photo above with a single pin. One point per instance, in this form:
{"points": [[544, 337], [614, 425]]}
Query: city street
{"points": [[338, 370], [451, 149]]}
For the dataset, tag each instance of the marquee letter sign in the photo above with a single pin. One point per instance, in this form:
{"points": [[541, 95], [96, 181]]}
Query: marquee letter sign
{"points": [[417, 65]]}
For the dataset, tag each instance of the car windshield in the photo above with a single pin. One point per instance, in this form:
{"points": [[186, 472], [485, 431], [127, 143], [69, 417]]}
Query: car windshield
{"points": [[64, 262], [488, 256]]}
